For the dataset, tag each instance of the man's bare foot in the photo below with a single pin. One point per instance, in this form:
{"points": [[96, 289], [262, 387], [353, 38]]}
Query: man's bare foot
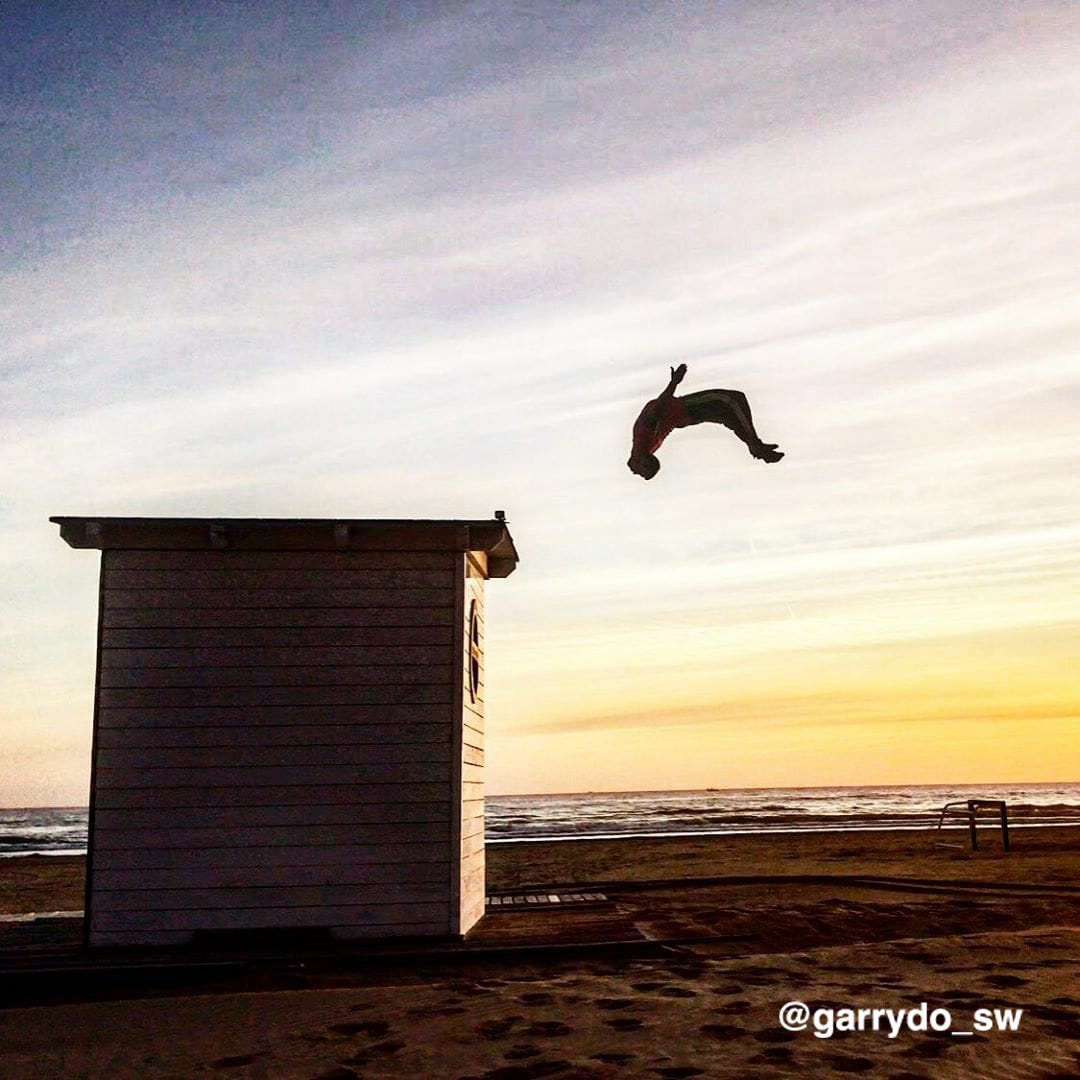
{"points": [[767, 452]]}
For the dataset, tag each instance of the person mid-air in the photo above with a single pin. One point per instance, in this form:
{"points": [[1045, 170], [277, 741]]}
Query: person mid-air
{"points": [[663, 414]]}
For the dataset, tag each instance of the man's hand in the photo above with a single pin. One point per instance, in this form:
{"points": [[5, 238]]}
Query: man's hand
{"points": [[677, 374]]}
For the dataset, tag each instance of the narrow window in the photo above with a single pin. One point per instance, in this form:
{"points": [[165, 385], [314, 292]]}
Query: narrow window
{"points": [[474, 652]]}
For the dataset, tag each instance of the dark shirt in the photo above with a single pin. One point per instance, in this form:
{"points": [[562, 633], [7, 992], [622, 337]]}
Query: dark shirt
{"points": [[657, 421]]}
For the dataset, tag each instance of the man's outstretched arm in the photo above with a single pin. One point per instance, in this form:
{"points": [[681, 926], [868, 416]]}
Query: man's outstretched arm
{"points": [[677, 375]]}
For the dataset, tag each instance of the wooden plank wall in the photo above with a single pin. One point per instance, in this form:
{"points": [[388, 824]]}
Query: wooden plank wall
{"points": [[274, 743], [472, 888]]}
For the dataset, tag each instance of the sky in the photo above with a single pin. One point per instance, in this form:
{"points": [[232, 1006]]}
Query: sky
{"points": [[430, 260]]}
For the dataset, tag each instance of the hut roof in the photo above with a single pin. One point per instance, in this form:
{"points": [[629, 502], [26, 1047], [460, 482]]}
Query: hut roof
{"points": [[296, 534]]}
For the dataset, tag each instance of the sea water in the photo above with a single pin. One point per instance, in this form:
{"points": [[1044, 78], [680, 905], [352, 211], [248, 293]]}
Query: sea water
{"points": [[63, 830], [760, 810]]}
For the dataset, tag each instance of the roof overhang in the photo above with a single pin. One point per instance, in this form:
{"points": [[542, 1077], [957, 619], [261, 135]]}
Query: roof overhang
{"points": [[490, 536]]}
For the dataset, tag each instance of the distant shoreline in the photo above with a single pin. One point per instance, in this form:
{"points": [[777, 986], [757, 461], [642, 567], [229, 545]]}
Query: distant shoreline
{"points": [[860, 827]]}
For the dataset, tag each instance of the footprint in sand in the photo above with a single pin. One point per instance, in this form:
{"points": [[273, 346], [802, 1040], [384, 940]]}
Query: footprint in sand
{"points": [[677, 992], [928, 1049], [611, 1058], [238, 1060], [723, 1032], [759, 980], [843, 1063], [338, 1073], [614, 1003], [536, 999], [779, 1035], [375, 1028], [522, 1052], [436, 1010], [765, 971], [382, 1049], [548, 1028], [496, 1029], [625, 1023], [1065, 1029], [535, 1070], [1004, 981], [647, 987], [734, 1008], [918, 957], [774, 1055], [687, 971]]}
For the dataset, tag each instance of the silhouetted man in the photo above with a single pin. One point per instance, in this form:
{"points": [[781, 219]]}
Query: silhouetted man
{"points": [[663, 414]]}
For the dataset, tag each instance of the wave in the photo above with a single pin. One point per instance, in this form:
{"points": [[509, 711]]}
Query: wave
{"points": [[63, 831]]}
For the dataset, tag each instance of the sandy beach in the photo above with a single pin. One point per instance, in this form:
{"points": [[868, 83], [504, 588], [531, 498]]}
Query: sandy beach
{"points": [[716, 935]]}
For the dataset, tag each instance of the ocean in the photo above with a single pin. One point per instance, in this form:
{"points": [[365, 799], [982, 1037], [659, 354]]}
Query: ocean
{"points": [[519, 818]]}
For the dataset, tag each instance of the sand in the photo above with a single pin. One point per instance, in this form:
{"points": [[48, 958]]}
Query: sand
{"points": [[41, 883], [722, 932]]}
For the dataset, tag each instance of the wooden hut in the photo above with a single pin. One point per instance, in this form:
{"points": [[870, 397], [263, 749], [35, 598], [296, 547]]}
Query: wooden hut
{"points": [[288, 726]]}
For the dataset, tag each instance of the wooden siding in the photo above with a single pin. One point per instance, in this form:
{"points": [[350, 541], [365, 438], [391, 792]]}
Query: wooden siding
{"points": [[282, 856], [189, 697], [248, 877], [287, 916], [158, 718], [326, 597], [277, 744], [283, 560], [469, 754], [340, 734], [346, 932], [297, 674], [218, 835], [137, 797], [308, 618], [199, 817]]}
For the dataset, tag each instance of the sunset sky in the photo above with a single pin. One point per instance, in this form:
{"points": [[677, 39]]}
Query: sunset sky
{"points": [[289, 260]]}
